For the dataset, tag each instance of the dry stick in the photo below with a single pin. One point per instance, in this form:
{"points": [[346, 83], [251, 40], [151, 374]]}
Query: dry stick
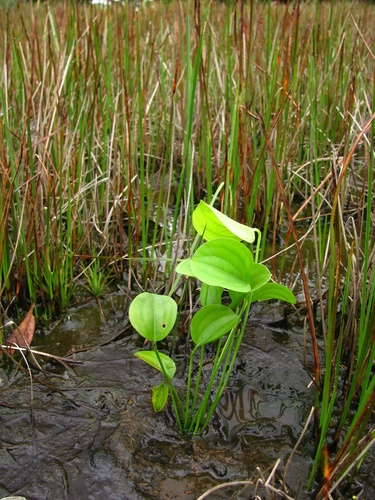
{"points": [[249, 482], [31, 391], [224, 485], [269, 486], [47, 383], [297, 444], [45, 354], [304, 280]]}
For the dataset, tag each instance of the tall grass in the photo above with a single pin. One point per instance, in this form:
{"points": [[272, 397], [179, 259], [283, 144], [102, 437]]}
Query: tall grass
{"points": [[115, 121]]}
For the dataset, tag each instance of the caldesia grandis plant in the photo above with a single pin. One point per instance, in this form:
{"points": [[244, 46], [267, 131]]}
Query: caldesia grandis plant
{"points": [[223, 262]]}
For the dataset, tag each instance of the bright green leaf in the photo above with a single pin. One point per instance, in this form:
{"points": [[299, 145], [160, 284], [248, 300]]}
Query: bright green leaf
{"points": [[151, 358], [212, 322], [153, 316], [236, 298], [210, 294], [274, 291], [212, 224], [259, 276], [184, 267], [159, 396], [225, 263]]}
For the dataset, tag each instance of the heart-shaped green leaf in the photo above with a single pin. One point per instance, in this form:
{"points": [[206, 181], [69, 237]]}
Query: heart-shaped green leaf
{"points": [[184, 267], [212, 322], [212, 224], [210, 294], [153, 316], [159, 396], [151, 358], [273, 291], [225, 263], [259, 276]]}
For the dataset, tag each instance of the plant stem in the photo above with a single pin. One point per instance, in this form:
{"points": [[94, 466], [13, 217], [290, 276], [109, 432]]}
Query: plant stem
{"points": [[223, 383], [175, 399]]}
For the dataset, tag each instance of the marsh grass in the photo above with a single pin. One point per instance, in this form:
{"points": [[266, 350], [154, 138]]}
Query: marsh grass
{"points": [[114, 122]]}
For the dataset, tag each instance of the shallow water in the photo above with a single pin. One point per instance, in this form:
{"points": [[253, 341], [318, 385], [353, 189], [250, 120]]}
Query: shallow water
{"points": [[97, 437]]}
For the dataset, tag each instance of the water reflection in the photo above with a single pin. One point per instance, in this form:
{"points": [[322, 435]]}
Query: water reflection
{"points": [[238, 406]]}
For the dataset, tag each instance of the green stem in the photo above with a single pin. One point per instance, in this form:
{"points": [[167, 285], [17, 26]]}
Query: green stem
{"points": [[197, 384], [189, 385], [175, 399], [224, 384], [202, 407]]}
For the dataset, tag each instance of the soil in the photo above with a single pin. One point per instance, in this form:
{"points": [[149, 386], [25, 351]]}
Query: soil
{"points": [[91, 432]]}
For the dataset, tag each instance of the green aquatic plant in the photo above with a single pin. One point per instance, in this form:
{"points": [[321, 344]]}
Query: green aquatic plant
{"points": [[223, 262], [96, 278]]}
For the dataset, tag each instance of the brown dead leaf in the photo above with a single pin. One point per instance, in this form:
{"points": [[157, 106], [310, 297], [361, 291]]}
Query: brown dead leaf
{"points": [[24, 333]]}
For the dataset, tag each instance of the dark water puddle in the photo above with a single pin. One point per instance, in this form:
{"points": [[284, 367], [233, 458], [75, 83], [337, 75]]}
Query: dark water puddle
{"points": [[99, 438]]}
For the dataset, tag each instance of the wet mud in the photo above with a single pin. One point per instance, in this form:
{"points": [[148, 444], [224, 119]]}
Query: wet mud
{"points": [[94, 435]]}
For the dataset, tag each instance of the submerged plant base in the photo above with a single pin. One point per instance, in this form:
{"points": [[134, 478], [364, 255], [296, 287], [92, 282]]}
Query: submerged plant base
{"points": [[223, 262]]}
